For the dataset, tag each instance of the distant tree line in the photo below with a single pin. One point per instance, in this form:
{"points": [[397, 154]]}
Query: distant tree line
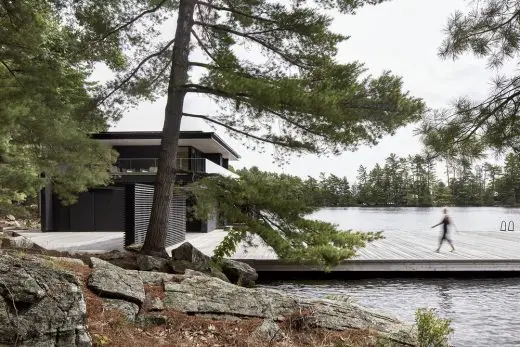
{"points": [[413, 181]]}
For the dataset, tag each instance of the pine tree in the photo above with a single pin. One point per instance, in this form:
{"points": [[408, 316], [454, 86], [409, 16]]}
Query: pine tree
{"points": [[291, 94], [491, 29], [46, 110], [275, 208]]}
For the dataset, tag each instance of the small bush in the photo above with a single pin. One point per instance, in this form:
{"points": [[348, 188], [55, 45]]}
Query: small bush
{"points": [[433, 331]]}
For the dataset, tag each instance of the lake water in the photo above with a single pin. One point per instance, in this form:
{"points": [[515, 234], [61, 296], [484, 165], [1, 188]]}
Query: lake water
{"points": [[418, 218], [485, 312]]}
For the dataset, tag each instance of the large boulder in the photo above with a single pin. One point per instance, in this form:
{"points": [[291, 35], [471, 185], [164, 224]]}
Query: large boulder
{"points": [[151, 277], [207, 295], [110, 281], [40, 305], [186, 257], [18, 242], [191, 257], [239, 273], [150, 263], [128, 310]]}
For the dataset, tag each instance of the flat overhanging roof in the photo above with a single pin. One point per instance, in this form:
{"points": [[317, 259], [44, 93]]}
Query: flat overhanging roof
{"points": [[206, 142]]}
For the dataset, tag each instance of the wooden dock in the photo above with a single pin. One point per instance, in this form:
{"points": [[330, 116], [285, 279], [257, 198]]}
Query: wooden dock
{"points": [[398, 252]]}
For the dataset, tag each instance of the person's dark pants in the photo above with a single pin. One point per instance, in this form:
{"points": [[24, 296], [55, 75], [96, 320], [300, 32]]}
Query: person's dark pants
{"points": [[445, 237]]}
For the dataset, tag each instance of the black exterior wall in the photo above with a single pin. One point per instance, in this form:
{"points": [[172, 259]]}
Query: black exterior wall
{"points": [[214, 157], [115, 208], [194, 225], [100, 209]]}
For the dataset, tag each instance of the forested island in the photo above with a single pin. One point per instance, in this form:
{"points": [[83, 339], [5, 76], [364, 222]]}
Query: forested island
{"points": [[414, 181]]}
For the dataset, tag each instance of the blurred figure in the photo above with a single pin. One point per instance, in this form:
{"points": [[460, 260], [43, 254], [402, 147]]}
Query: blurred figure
{"points": [[446, 220]]}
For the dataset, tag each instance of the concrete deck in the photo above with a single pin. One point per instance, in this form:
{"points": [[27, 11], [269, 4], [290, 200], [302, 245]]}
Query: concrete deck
{"points": [[398, 252]]}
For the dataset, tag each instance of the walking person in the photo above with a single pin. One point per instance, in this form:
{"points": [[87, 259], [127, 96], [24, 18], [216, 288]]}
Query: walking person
{"points": [[446, 221]]}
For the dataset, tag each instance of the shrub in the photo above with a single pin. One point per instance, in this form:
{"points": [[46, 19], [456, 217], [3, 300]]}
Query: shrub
{"points": [[433, 331]]}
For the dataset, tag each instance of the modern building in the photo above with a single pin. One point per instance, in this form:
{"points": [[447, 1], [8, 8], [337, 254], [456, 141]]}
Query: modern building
{"points": [[125, 205]]}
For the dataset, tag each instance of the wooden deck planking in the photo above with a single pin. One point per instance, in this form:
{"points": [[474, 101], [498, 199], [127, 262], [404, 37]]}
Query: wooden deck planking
{"points": [[397, 246], [398, 251]]}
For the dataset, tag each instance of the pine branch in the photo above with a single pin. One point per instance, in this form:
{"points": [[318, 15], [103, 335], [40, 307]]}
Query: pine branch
{"points": [[133, 20], [203, 46], [490, 113], [8, 10], [197, 88], [161, 72], [295, 123], [254, 39], [235, 11], [267, 31], [242, 132], [204, 65], [11, 72], [493, 28], [134, 72]]}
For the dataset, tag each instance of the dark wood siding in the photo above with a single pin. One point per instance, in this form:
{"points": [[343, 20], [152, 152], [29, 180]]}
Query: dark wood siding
{"points": [[82, 213], [109, 209], [95, 210]]}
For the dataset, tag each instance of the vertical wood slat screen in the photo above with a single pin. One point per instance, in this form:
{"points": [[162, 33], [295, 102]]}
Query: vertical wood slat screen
{"points": [[142, 206]]}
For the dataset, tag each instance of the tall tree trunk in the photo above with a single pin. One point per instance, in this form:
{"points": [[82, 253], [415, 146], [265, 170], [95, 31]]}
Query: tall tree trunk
{"points": [[157, 228]]}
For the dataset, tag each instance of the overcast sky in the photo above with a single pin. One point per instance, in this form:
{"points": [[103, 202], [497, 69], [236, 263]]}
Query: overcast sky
{"points": [[402, 36]]}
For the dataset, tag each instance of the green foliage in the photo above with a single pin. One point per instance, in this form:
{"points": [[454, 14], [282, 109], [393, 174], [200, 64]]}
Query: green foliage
{"points": [[274, 207], [432, 330], [412, 181], [47, 108], [292, 93], [491, 30]]}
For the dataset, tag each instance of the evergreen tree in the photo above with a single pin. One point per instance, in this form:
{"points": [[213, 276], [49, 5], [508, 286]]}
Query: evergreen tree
{"points": [[442, 194], [47, 110], [313, 189], [509, 183], [375, 182], [291, 94], [274, 207], [491, 29]]}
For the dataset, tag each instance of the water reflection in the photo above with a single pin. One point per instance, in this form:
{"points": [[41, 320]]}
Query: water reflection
{"points": [[445, 300], [485, 312]]}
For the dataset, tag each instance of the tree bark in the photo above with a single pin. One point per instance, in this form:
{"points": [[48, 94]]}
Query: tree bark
{"points": [[157, 228]]}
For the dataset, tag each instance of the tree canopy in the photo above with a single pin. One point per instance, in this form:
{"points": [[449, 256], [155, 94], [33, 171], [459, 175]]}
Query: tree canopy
{"points": [[276, 208], [269, 66], [491, 30], [414, 181], [46, 108]]}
